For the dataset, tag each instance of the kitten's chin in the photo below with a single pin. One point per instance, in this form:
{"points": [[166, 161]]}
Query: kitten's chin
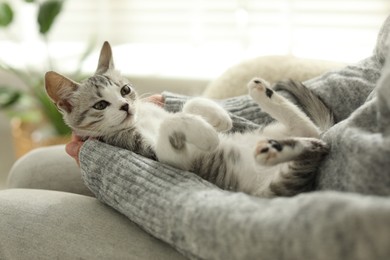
{"points": [[126, 123], [84, 134]]}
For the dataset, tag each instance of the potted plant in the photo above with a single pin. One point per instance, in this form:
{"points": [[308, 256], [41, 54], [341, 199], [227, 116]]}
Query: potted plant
{"points": [[35, 119]]}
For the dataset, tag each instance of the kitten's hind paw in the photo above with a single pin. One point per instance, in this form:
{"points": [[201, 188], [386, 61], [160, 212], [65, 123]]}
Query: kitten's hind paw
{"points": [[267, 152], [271, 152]]}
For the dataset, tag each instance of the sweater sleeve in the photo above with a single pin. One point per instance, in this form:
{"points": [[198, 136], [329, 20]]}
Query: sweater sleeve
{"points": [[346, 89], [202, 221]]}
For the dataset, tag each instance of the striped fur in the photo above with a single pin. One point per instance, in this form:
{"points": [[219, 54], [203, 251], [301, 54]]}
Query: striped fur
{"points": [[310, 103]]}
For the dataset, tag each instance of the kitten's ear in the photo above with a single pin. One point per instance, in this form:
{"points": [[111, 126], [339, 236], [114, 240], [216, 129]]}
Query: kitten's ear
{"points": [[60, 89], [105, 60]]}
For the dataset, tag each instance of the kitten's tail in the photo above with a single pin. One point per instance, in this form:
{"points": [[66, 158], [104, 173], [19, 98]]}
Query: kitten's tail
{"points": [[310, 103]]}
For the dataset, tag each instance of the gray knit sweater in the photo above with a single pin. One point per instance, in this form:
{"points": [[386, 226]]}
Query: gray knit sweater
{"points": [[344, 219]]}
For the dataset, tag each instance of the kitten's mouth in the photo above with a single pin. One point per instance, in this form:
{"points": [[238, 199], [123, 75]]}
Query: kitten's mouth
{"points": [[128, 116]]}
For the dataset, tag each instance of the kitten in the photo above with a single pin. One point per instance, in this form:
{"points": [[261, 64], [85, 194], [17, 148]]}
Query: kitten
{"points": [[277, 160]]}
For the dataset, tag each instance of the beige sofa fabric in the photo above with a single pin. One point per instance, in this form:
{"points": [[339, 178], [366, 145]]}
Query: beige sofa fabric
{"points": [[272, 68]]}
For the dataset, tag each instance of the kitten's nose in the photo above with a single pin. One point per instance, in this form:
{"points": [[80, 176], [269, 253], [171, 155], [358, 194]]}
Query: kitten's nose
{"points": [[125, 107]]}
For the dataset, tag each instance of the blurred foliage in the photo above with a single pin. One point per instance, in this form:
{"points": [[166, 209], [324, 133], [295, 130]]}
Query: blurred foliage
{"points": [[6, 14], [20, 103], [47, 13]]}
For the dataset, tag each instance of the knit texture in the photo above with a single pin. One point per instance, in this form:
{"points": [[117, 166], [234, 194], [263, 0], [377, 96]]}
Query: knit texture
{"points": [[202, 221]]}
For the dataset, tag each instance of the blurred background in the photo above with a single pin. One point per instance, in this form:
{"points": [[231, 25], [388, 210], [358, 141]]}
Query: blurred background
{"points": [[175, 45]]}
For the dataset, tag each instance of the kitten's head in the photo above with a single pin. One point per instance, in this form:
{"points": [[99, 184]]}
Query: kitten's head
{"points": [[100, 105]]}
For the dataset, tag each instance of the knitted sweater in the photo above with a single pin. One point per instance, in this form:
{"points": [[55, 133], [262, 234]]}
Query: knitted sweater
{"points": [[343, 219]]}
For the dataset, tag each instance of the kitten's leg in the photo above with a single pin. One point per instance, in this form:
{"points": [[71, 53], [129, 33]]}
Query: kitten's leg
{"points": [[210, 111], [182, 137], [303, 156], [280, 108]]}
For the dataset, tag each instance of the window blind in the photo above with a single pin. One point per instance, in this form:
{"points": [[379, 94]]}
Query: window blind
{"points": [[282, 26], [222, 30]]}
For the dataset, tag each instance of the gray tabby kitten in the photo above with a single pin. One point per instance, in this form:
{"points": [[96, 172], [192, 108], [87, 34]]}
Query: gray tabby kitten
{"points": [[278, 160]]}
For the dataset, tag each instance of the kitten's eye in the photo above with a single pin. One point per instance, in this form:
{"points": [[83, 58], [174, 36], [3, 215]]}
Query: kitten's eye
{"points": [[101, 105], [125, 90]]}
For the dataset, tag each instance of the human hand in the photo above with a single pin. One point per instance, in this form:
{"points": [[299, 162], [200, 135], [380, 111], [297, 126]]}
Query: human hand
{"points": [[73, 147], [156, 99]]}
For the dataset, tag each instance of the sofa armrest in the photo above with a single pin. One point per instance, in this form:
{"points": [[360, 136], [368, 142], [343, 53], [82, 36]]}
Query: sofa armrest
{"points": [[47, 168]]}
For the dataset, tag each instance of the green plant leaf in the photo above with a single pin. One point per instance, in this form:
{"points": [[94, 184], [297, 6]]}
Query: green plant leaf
{"points": [[29, 1], [6, 14], [47, 13], [8, 97]]}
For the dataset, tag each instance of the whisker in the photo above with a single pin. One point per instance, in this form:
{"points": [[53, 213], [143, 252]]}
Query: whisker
{"points": [[144, 96]]}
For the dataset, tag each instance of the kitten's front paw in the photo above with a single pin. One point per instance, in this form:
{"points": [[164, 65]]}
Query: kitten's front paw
{"points": [[211, 112], [259, 89], [220, 121]]}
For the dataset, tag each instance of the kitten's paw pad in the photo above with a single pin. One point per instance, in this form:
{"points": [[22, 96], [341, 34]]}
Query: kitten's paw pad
{"points": [[267, 151], [177, 140], [259, 89]]}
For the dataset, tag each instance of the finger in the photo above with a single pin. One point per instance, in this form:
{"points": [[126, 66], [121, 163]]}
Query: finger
{"points": [[156, 99], [76, 138], [73, 149]]}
